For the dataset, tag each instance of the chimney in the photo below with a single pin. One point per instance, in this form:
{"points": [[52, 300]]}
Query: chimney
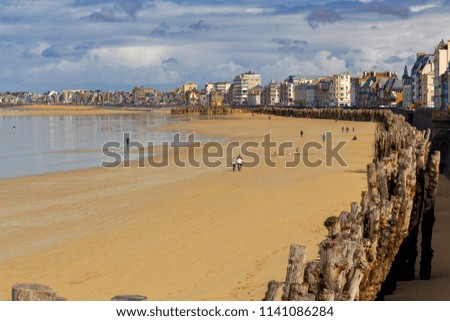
{"points": [[420, 54]]}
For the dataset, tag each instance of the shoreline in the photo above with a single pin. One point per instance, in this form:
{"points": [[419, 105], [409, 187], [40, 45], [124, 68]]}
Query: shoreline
{"points": [[63, 110], [176, 233]]}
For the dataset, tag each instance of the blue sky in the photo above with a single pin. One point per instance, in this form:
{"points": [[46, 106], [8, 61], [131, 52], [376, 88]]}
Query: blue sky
{"points": [[118, 44]]}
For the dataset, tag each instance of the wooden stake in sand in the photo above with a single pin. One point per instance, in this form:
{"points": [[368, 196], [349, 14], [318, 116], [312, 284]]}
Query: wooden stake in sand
{"points": [[130, 297], [32, 292], [428, 217]]}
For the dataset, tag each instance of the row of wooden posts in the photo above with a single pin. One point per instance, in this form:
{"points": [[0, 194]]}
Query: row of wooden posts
{"points": [[370, 247], [367, 246], [209, 111], [39, 292]]}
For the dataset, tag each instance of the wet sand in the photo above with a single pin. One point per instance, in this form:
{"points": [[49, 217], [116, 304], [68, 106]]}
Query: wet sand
{"points": [[60, 110], [178, 233]]}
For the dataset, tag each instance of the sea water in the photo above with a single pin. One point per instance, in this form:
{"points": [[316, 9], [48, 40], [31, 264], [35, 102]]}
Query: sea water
{"points": [[32, 145]]}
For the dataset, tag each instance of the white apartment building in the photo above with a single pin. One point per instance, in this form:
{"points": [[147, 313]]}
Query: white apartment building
{"points": [[340, 90], [239, 92], [441, 65], [287, 91], [242, 84], [222, 87], [254, 96], [271, 94], [422, 81]]}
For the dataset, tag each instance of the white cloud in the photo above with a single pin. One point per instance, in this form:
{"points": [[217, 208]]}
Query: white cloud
{"points": [[423, 7], [132, 56], [171, 9], [49, 46], [325, 63]]}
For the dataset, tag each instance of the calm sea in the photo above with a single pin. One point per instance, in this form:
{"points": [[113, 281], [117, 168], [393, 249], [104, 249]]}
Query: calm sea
{"points": [[43, 144]]}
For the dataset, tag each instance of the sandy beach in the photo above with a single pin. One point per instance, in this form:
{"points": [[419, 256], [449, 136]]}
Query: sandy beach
{"points": [[178, 233]]}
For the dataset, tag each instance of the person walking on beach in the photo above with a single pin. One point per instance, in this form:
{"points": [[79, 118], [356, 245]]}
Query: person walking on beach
{"points": [[14, 128], [301, 133], [342, 130], [127, 141], [233, 164], [239, 162], [323, 137]]}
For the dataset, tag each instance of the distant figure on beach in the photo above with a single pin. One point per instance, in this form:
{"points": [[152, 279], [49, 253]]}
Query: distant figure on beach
{"points": [[270, 117], [127, 142], [353, 128], [14, 129], [347, 130], [342, 130], [301, 133], [239, 162], [323, 137], [233, 164], [354, 138]]}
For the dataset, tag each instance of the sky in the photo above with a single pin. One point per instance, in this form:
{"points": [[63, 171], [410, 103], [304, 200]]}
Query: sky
{"points": [[119, 44]]}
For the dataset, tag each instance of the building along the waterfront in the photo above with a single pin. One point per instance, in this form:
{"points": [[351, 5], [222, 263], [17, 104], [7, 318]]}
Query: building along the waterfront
{"points": [[441, 66]]}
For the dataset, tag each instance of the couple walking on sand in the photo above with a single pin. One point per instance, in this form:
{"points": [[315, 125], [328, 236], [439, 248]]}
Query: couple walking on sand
{"points": [[238, 162]]}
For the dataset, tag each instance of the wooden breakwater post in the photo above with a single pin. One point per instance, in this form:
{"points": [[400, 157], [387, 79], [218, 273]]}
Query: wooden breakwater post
{"points": [[359, 251], [32, 292], [210, 111], [39, 292], [129, 297], [428, 217]]}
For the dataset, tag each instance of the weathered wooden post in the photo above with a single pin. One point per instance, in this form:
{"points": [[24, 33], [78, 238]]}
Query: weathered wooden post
{"points": [[312, 274], [428, 217], [299, 292], [129, 297], [372, 181], [296, 268], [406, 258], [274, 291], [32, 292]]}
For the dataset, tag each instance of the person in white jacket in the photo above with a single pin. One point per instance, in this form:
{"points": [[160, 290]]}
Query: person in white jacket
{"points": [[239, 162]]}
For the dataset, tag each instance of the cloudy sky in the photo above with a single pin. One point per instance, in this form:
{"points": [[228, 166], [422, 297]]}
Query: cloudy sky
{"points": [[118, 44]]}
